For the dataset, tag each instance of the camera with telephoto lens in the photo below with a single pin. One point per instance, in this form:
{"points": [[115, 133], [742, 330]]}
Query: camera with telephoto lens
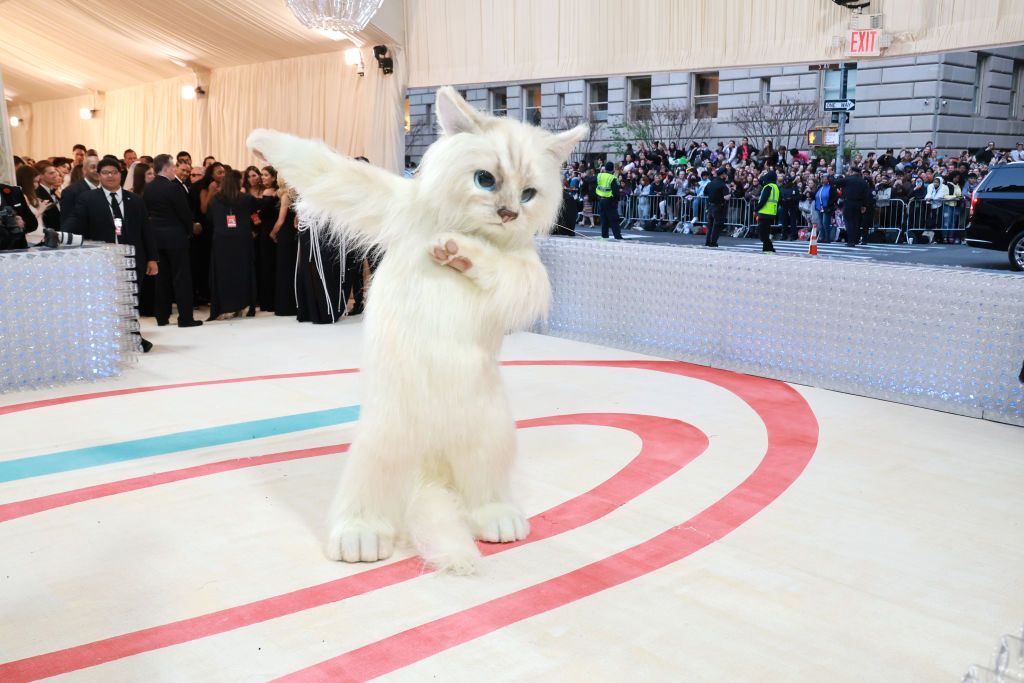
{"points": [[11, 234], [9, 222]]}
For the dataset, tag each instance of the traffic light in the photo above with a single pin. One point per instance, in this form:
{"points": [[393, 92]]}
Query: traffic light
{"points": [[812, 137]]}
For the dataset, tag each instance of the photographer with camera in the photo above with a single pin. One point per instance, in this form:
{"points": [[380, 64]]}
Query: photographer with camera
{"points": [[14, 216]]}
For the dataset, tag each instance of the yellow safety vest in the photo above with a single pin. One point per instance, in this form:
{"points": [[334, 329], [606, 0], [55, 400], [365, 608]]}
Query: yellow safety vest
{"points": [[771, 207], [604, 185]]}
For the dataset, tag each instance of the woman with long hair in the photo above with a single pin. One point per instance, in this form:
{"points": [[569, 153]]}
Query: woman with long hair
{"points": [[199, 250], [285, 237], [252, 182], [267, 208], [232, 266], [141, 176], [28, 180]]}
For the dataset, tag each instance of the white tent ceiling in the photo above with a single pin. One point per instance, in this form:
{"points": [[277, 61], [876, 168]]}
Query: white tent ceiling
{"points": [[62, 48]]}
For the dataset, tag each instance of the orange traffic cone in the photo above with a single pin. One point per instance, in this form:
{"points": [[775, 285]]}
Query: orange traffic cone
{"points": [[812, 249]]}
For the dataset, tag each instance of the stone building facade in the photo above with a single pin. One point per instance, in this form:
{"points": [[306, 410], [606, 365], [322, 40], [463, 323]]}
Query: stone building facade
{"points": [[958, 100]]}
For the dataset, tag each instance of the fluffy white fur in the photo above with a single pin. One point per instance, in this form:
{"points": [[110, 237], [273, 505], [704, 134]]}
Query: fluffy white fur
{"points": [[436, 439]]}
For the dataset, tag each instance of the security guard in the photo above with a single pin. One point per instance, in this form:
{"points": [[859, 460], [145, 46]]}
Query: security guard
{"points": [[767, 208], [607, 201]]}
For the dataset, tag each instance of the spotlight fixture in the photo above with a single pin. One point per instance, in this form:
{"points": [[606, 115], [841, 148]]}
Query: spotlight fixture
{"points": [[85, 113], [190, 93], [15, 122], [386, 63], [353, 57]]}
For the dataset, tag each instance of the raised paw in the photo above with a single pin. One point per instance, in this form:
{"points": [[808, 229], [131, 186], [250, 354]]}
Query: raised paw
{"points": [[499, 523], [446, 251], [352, 539]]}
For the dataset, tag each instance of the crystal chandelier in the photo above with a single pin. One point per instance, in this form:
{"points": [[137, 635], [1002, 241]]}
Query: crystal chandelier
{"points": [[344, 16]]}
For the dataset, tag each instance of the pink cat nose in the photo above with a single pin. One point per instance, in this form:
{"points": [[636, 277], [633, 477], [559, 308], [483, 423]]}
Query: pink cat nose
{"points": [[507, 215]]}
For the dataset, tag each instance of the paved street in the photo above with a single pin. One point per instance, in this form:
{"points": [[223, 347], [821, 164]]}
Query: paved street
{"points": [[956, 255]]}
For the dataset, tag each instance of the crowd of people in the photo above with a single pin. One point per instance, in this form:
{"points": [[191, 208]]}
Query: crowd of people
{"points": [[663, 186], [204, 235]]}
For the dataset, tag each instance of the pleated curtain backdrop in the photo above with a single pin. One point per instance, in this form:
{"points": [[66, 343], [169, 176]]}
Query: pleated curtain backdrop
{"points": [[315, 96]]}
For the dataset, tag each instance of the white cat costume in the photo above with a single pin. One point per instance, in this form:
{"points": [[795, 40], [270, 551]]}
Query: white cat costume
{"points": [[436, 439]]}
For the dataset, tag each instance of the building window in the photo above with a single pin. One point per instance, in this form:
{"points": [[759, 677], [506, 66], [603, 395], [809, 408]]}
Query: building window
{"points": [[499, 101], [408, 118], [766, 90], [561, 104], [1017, 92], [640, 98], [705, 95], [597, 100], [428, 118], [531, 104], [978, 98]]}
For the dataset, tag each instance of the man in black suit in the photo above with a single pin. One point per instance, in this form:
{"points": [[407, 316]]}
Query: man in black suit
{"points": [[856, 199], [111, 214], [49, 181], [90, 181], [171, 220], [182, 171], [716, 193]]}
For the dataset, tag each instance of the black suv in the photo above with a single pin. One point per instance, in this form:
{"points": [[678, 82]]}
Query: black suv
{"points": [[997, 213]]}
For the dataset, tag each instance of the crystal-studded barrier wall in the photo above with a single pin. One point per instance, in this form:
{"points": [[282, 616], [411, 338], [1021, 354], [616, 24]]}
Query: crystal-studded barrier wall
{"points": [[942, 338], [65, 315]]}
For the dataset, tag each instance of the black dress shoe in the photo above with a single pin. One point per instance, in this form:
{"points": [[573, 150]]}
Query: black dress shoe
{"points": [[161, 323], [251, 313], [146, 345], [189, 323], [356, 310]]}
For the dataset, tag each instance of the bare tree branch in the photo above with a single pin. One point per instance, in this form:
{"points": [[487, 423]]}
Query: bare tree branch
{"points": [[662, 122], [785, 122], [570, 118]]}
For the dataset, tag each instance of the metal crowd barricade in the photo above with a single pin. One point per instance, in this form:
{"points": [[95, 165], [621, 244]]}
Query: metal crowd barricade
{"points": [[891, 215], [738, 217], [924, 219]]}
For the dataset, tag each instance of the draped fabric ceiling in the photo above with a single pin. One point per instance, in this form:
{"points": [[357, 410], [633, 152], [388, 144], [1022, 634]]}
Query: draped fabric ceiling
{"points": [[262, 68], [129, 61]]}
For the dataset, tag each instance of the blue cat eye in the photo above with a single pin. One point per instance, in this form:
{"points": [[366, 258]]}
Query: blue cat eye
{"points": [[527, 195], [485, 181]]}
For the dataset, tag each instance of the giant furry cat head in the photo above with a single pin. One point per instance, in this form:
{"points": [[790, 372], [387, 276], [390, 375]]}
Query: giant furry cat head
{"points": [[494, 176]]}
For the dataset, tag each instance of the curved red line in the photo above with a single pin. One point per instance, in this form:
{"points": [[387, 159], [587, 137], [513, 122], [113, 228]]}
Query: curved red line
{"points": [[76, 398], [668, 445], [792, 439], [32, 506]]}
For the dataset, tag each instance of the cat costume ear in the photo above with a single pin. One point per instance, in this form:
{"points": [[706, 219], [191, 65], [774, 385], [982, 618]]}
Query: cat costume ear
{"points": [[562, 144], [454, 115]]}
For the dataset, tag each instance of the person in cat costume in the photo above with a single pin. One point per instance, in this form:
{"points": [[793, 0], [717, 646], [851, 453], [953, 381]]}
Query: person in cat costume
{"points": [[436, 438]]}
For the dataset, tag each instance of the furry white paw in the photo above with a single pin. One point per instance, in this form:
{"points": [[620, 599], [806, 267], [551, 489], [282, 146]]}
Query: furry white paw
{"points": [[352, 539], [449, 250], [499, 523]]}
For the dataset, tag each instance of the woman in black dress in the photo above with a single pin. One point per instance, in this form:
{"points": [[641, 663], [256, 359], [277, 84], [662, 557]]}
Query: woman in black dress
{"points": [[318, 288], [199, 249], [267, 208], [232, 266], [285, 237]]}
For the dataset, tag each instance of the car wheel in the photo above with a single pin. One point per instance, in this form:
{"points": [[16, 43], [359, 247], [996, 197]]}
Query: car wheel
{"points": [[1016, 252]]}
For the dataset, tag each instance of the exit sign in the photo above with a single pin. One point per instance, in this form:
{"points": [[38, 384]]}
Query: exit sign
{"points": [[863, 44]]}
